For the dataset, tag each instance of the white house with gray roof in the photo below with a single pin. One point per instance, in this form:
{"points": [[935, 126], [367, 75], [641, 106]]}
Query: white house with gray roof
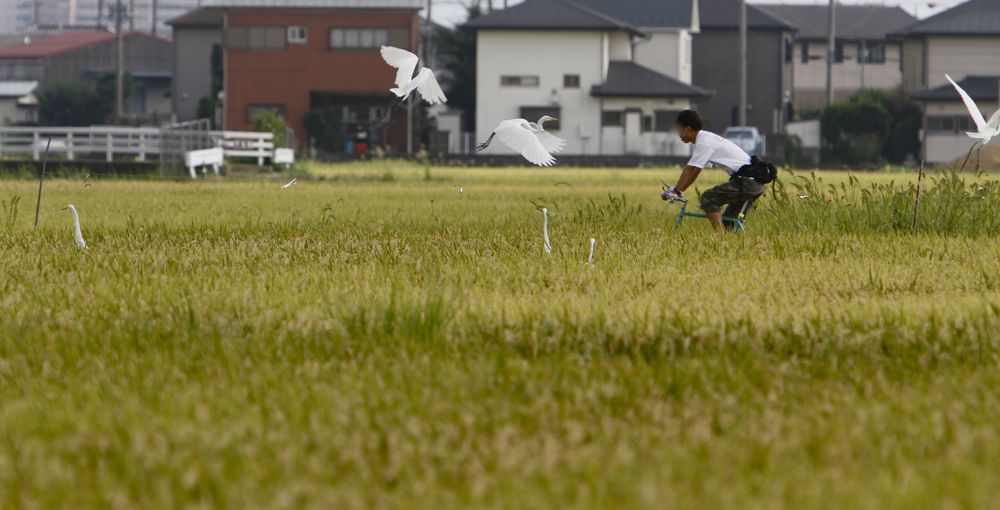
{"points": [[615, 73], [963, 42]]}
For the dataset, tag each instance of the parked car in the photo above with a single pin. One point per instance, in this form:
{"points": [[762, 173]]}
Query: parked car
{"points": [[747, 137]]}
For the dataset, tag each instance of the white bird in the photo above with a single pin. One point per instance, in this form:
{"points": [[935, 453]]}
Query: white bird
{"points": [[528, 138], [424, 82], [985, 130], [290, 183], [76, 227], [545, 230]]}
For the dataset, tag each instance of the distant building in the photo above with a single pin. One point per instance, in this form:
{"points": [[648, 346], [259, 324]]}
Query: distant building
{"points": [[864, 55], [294, 57], [615, 73], [769, 66], [16, 16], [17, 101], [963, 42], [85, 56]]}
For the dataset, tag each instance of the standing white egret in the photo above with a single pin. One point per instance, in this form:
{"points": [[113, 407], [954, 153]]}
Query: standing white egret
{"points": [[76, 227], [545, 230], [528, 138], [424, 82], [985, 131]]}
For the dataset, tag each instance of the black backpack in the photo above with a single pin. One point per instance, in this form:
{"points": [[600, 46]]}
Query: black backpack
{"points": [[759, 169]]}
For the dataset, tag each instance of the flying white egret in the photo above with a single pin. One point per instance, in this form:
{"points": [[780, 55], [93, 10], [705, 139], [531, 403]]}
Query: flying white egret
{"points": [[985, 131], [290, 183], [545, 230], [76, 227], [424, 82], [528, 138]]}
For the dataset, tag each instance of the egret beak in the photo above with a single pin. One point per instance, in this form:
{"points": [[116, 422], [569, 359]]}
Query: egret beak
{"points": [[65, 208], [555, 118]]}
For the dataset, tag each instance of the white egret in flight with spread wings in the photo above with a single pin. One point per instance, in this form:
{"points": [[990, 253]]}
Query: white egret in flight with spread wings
{"points": [[528, 138], [985, 130], [424, 82]]}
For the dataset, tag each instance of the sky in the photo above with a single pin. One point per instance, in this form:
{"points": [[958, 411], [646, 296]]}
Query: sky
{"points": [[450, 12]]}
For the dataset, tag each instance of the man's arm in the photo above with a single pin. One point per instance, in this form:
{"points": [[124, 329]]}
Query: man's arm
{"points": [[688, 177]]}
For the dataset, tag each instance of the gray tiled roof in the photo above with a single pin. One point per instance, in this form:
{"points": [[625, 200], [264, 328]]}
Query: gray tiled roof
{"points": [[628, 79], [322, 4], [725, 14], [548, 15], [206, 17], [980, 88], [646, 13], [869, 22], [975, 17]]}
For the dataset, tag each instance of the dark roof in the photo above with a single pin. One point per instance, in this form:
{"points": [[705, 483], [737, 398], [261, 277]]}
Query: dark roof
{"points": [[548, 15], [975, 17], [628, 79], [980, 88], [204, 17], [869, 22], [646, 13], [56, 44], [725, 14]]}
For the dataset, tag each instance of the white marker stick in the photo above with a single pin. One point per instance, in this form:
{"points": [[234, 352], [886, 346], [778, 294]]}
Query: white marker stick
{"points": [[590, 259], [545, 230], [290, 183]]}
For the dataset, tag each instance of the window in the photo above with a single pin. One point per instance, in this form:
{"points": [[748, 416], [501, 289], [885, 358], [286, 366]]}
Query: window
{"points": [[256, 38], [647, 123], [255, 109], [519, 81], [611, 119], [948, 124], [298, 34], [664, 120], [533, 113], [789, 50], [871, 53], [571, 81], [805, 52], [368, 38], [838, 52]]}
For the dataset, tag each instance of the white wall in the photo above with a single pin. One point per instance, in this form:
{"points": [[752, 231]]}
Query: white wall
{"points": [[961, 57], [548, 55], [942, 148], [810, 78], [651, 142], [667, 52]]}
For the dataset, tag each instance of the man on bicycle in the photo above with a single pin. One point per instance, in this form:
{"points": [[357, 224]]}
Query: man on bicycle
{"points": [[747, 175]]}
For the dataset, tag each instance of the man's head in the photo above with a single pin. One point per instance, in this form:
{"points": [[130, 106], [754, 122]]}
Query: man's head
{"points": [[688, 125]]}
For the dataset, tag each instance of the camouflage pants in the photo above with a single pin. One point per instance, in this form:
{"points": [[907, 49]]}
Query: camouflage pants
{"points": [[732, 194]]}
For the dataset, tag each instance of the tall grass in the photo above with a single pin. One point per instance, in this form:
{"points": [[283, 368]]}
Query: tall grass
{"points": [[368, 343]]}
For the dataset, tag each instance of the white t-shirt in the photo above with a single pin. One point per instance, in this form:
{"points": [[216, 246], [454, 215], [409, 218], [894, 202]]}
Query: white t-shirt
{"points": [[710, 148]]}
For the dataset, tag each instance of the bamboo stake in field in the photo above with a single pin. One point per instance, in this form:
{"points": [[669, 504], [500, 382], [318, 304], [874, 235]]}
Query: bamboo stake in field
{"points": [[41, 179], [916, 200]]}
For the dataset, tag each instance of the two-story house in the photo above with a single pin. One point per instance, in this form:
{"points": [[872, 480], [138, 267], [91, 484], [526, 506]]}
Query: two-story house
{"points": [[963, 42], [864, 56], [294, 56], [615, 73]]}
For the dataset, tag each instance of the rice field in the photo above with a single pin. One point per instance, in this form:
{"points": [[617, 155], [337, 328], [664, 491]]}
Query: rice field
{"points": [[372, 337]]}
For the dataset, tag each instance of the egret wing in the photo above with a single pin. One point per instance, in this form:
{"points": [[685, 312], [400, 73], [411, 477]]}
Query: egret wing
{"points": [[402, 60], [977, 116], [429, 88], [517, 136], [994, 121], [551, 142]]}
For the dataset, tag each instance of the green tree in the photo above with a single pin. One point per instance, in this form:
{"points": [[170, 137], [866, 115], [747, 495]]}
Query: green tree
{"points": [[70, 104], [106, 90], [268, 121], [871, 127], [456, 51], [326, 129]]}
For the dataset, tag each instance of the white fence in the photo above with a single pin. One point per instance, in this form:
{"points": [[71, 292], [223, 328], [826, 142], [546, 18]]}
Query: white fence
{"points": [[111, 143]]}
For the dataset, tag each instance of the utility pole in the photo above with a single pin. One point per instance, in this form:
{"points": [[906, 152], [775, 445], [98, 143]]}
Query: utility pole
{"points": [[742, 116], [131, 18], [831, 43], [120, 71], [863, 57], [152, 28], [100, 14]]}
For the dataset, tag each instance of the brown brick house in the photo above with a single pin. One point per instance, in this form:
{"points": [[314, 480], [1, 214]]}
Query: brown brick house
{"points": [[296, 59]]}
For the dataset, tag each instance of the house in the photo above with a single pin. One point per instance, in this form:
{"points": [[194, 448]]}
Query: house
{"points": [[864, 55], [17, 16], [85, 56], [615, 74], [961, 42], [769, 66], [17, 101], [197, 44], [294, 57]]}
